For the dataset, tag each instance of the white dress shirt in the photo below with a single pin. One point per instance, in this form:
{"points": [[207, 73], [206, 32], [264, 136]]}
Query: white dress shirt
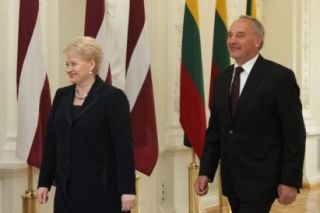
{"points": [[245, 74]]}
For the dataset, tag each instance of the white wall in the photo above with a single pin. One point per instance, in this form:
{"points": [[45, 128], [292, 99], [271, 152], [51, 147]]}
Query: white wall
{"points": [[314, 56], [3, 6], [288, 41], [292, 39]]}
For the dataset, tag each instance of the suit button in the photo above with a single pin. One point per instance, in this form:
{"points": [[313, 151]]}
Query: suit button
{"points": [[231, 132]]}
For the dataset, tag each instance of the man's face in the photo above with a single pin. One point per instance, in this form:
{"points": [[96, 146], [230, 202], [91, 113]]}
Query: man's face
{"points": [[243, 43]]}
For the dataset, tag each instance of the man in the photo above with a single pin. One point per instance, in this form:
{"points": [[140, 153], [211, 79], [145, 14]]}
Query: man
{"points": [[259, 137]]}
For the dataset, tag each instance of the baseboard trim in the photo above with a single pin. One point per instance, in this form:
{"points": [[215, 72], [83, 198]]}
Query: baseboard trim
{"points": [[311, 185], [212, 209]]}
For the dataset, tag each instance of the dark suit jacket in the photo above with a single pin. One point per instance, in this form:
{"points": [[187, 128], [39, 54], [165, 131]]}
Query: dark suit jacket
{"points": [[89, 155], [263, 144]]}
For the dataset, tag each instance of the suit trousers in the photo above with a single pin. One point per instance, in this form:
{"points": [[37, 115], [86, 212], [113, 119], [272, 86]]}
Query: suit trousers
{"points": [[238, 206]]}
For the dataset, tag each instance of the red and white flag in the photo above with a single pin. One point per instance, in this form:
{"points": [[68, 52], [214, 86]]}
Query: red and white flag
{"points": [[139, 90], [32, 85], [121, 31], [107, 21], [95, 26]]}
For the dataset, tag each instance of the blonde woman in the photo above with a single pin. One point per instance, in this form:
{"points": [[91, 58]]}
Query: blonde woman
{"points": [[88, 146]]}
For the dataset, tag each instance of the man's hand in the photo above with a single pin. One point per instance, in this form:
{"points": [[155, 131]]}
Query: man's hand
{"points": [[127, 202], [42, 195], [201, 185], [286, 194]]}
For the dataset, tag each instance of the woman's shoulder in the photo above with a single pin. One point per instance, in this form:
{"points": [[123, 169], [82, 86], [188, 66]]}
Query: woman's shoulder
{"points": [[114, 95], [64, 90], [108, 91], [111, 90]]}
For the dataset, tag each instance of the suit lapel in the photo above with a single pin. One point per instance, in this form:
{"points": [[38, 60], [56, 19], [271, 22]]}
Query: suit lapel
{"points": [[67, 104], [91, 99], [226, 91], [255, 77]]}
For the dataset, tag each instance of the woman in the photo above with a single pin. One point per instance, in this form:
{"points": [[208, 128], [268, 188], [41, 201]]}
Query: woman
{"points": [[88, 147]]}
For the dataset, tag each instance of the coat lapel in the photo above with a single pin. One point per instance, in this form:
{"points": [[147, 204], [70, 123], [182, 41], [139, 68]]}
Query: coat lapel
{"points": [[255, 77], [226, 91], [67, 104], [91, 99]]}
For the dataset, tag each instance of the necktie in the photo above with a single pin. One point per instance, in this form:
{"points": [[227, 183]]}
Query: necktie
{"points": [[234, 95]]}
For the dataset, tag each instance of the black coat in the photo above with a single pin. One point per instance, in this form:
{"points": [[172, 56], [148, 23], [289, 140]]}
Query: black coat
{"points": [[89, 156], [263, 144]]}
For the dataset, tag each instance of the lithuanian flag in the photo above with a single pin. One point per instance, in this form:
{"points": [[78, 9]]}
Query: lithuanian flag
{"points": [[251, 8], [220, 55], [192, 106]]}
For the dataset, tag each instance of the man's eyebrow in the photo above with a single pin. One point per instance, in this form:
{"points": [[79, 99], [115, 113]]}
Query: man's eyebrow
{"points": [[236, 33], [240, 33]]}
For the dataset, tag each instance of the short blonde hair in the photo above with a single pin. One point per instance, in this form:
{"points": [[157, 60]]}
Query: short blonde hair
{"points": [[87, 48]]}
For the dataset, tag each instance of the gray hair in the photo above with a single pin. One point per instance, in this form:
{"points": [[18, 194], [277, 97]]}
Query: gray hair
{"points": [[256, 26]]}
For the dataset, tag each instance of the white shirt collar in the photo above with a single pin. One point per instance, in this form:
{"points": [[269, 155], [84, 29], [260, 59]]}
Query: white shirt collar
{"points": [[248, 65]]}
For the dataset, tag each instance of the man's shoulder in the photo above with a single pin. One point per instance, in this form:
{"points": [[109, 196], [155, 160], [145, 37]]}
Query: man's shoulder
{"points": [[275, 66], [274, 69], [227, 70]]}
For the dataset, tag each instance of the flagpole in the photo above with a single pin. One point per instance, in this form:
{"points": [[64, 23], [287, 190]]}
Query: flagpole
{"points": [[193, 169], [136, 208], [29, 197]]}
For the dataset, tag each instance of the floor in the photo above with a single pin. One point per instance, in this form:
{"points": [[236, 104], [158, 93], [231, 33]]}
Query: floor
{"points": [[308, 201]]}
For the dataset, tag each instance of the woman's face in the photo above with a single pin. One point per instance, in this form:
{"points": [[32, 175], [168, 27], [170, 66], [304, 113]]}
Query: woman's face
{"points": [[78, 70]]}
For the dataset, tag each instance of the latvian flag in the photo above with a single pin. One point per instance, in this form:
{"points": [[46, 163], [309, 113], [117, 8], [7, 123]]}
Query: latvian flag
{"points": [[139, 90], [120, 28], [32, 85]]}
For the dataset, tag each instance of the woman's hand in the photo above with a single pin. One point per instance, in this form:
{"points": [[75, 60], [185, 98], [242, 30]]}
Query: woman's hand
{"points": [[127, 202], [42, 195]]}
